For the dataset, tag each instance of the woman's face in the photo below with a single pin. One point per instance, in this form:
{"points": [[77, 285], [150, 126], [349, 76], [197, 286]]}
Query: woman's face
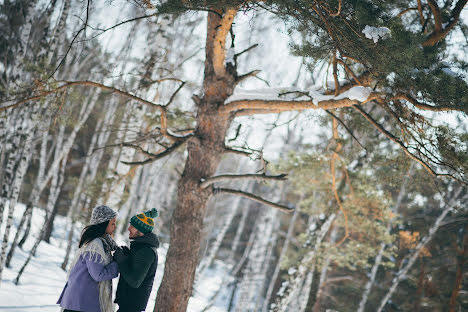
{"points": [[110, 227]]}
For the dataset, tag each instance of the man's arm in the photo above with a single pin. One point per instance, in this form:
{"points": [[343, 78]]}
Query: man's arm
{"points": [[133, 269]]}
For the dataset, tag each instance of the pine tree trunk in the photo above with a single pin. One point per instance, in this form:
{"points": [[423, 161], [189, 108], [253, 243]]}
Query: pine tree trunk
{"points": [[204, 154]]}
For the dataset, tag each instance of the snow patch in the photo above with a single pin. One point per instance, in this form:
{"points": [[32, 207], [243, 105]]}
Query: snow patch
{"points": [[376, 33], [449, 72], [317, 95]]}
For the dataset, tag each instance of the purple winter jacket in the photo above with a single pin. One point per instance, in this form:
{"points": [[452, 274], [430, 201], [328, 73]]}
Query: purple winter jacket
{"points": [[81, 293]]}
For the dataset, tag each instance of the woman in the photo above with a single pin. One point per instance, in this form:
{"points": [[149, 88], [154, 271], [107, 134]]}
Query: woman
{"points": [[89, 285]]}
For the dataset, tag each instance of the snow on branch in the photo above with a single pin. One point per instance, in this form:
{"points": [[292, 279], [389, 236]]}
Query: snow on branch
{"points": [[376, 33], [235, 177], [286, 99], [253, 197]]}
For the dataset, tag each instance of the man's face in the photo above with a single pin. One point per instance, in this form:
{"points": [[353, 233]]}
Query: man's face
{"points": [[133, 232]]}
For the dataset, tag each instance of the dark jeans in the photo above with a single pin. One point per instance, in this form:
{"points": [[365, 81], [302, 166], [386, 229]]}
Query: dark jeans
{"points": [[126, 310], [70, 310]]}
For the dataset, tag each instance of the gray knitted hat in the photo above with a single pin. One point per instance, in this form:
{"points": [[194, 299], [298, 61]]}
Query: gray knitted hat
{"points": [[102, 214]]}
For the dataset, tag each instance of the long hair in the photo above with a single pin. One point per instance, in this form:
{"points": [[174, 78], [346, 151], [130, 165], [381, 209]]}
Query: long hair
{"points": [[93, 231]]}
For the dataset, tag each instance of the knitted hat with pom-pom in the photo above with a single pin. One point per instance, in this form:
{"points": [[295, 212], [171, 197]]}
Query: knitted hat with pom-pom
{"points": [[144, 222]]}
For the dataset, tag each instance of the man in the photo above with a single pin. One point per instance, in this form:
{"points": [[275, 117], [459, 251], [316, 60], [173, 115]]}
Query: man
{"points": [[138, 264]]}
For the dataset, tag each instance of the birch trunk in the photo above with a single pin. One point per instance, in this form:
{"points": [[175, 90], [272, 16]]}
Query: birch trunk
{"points": [[322, 280], [378, 258], [253, 281], [241, 225], [402, 273], [15, 190], [290, 291], [128, 207], [284, 249], [24, 34], [89, 170], [213, 250], [55, 187]]}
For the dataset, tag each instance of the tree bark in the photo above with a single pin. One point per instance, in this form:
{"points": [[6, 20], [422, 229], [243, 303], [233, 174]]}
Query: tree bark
{"points": [[15, 190], [204, 153], [33, 199], [55, 187]]}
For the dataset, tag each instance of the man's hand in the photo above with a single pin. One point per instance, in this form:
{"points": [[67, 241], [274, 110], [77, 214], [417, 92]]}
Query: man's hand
{"points": [[119, 255]]}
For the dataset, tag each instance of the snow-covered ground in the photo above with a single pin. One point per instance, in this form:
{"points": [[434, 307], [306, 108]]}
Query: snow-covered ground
{"points": [[43, 280]]}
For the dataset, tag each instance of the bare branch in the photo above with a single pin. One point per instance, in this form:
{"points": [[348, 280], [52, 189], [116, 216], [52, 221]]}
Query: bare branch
{"points": [[68, 84], [236, 177], [175, 93], [162, 154], [346, 127], [239, 152], [253, 197], [237, 133], [246, 50], [73, 40], [120, 24], [253, 73]]}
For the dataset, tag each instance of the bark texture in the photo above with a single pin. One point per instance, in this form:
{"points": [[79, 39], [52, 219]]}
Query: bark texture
{"points": [[204, 149]]}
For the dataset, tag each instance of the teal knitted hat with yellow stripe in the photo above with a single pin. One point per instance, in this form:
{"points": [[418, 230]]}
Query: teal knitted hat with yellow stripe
{"points": [[144, 222]]}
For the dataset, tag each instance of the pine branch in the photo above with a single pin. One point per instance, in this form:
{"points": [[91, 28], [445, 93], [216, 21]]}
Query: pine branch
{"points": [[253, 197], [440, 32], [347, 129], [253, 107], [422, 106], [252, 73], [236, 177], [404, 147]]}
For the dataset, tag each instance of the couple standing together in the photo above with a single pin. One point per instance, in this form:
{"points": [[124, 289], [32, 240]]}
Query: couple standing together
{"points": [[99, 260]]}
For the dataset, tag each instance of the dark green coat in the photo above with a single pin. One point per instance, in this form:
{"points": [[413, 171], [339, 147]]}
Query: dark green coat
{"points": [[137, 273]]}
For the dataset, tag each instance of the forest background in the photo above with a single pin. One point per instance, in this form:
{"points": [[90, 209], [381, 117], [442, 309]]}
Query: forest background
{"points": [[318, 149]]}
